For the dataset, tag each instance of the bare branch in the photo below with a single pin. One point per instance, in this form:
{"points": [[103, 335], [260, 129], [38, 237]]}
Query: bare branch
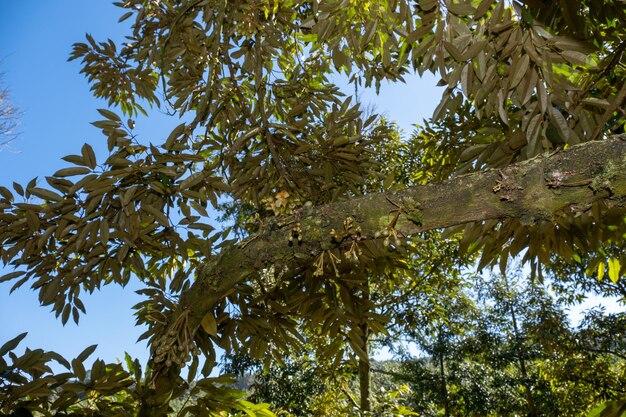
{"points": [[9, 116]]}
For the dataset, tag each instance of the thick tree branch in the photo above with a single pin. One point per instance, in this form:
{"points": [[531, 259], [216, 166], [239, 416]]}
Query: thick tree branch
{"points": [[529, 191]]}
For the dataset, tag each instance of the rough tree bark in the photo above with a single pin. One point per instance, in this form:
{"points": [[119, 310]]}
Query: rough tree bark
{"points": [[365, 376], [532, 190], [528, 392], [444, 385]]}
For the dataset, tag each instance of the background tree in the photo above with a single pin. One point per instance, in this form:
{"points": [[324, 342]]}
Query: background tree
{"points": [[513, 352], [303, 386]]}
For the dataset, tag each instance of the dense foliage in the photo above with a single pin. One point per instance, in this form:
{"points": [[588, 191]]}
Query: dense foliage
{"points": [[505, 348], [330, 204]]}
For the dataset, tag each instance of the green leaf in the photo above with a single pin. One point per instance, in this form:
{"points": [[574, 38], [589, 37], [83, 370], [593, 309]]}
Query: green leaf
{"points": [[32, 389], [4, 192], [60, 359], [453, 51], [560, 123], [18, 188], [178, 130], [11, 344], [11, 275], [45, 194], [601, 268], [109, 114], [192, 180], [79, 369], [69, 172], [193, 369], [520, 71], [75, 159], [482, 8], [88, 156], [370, 29], [157, 214], [614, 268], [209, 324], [576, 58], [125, 16], [460, 9], [86, 353]]}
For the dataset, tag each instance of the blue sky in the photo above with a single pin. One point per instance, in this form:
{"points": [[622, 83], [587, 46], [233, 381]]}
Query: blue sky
{"points": [[36, 40]]}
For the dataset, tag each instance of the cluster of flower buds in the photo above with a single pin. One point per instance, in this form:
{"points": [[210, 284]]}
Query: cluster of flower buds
{"points": [[354, 252], [319, 263], [349, 230], [176, 346], [295, 233], [388, 233]]}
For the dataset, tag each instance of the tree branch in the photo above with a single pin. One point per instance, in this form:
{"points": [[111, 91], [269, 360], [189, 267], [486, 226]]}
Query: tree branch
{"points": [[529, 191]]}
